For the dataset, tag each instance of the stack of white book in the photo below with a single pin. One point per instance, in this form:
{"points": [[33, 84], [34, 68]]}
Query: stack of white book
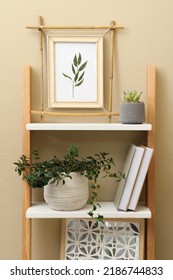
{"points": [[135, 169]]}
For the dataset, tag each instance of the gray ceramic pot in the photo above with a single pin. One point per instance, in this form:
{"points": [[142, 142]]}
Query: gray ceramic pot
{"points": [[132, 113]]}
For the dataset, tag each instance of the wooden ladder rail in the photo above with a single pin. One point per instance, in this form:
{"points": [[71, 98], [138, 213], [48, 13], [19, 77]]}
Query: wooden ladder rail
{"points": [[26, 195], [151, 115]]}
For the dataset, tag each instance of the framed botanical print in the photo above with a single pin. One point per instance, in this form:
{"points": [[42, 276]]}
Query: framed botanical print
{"points": [[75, 71]]}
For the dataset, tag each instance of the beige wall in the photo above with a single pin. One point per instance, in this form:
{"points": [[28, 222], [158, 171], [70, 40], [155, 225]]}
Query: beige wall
{"points": [[147, 39]]}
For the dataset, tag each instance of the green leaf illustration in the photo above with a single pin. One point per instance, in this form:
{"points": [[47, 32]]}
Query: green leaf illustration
{"points": [[75, 60], [73, 69], [81, 76], [76, 68], [82, 66], [76, 76], [67, 76], [79, 59], [79, 83]]}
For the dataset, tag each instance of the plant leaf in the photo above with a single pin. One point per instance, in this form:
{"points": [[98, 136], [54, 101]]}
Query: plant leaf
{"points": [[67, 76], [76, 76], [73, 151], [75, 60], [73, 69], [82, 66], [81, 76], [79, 59], [79, 83]]}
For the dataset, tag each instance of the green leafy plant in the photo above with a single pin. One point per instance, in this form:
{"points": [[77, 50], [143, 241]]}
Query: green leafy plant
{"points": [[40, 173], [131, 96], [78, 72]]}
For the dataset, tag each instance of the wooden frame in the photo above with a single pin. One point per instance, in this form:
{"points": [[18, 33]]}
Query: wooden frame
{"points": [[107, 112], [75, 71]]}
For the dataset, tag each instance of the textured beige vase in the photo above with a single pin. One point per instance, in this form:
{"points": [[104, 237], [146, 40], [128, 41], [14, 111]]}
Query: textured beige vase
{"points": [[73, 195]]}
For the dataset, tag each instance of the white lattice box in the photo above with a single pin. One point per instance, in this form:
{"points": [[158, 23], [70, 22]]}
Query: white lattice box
{"points": [[86, 240]]}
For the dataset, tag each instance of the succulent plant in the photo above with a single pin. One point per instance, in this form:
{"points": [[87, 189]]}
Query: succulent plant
{"points": [[131, 96]]}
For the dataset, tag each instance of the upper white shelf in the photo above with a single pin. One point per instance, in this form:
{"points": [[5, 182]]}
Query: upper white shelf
{"points": [[108, 210], [89, 126]]}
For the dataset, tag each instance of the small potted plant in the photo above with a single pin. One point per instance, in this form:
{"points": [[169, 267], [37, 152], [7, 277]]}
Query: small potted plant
{"points": [[132, 110], [65, 181]]}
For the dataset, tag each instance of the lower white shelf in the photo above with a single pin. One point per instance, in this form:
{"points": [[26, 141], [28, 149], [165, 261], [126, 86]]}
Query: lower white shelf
{"points": [[108, 210]]}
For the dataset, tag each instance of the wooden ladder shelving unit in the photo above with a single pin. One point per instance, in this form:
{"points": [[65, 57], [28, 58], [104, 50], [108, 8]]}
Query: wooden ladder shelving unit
{"points": [[27, 196]]}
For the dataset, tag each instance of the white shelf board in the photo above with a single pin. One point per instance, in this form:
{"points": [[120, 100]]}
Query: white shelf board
{"points": [[89, 126], [108, 210]]}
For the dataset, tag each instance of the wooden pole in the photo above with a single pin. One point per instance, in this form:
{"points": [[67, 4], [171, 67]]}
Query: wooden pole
{"points": [[26, 199], [49, 113], [75, 27], [111, 68], [63, 239], [151, 172], [42, 69]]}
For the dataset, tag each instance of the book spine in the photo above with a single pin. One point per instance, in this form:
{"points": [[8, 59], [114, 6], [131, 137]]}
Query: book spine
{"points": [[129, 184], [140, 178]]}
